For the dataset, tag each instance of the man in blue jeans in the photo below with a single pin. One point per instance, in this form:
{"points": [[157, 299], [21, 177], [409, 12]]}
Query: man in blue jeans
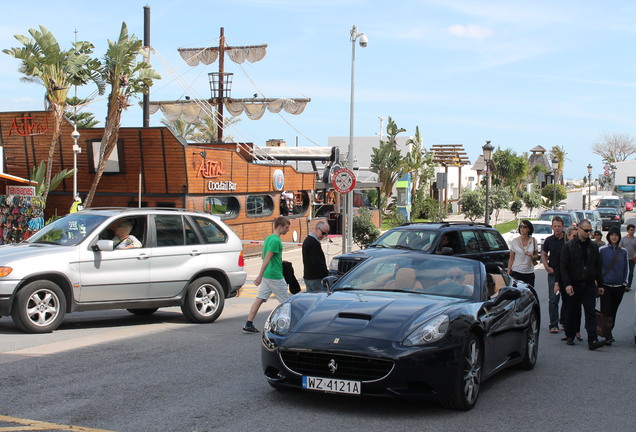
{"points": [[550, 254]]}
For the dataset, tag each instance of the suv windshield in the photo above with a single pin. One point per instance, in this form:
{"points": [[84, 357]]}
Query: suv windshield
{"points": [[604, 202], [68, 231], [567, 220], [407, 239]]}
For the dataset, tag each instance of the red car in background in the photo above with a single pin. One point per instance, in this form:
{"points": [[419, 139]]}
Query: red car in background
{"points": [[629, 205]]}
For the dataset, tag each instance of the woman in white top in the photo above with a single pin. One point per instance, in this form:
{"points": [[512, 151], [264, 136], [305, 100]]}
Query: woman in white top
{"points": [[523, 251]]}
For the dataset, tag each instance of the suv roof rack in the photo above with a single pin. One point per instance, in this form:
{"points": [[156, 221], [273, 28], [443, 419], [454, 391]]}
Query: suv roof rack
{"points": [[175, 209], [449, 223]]}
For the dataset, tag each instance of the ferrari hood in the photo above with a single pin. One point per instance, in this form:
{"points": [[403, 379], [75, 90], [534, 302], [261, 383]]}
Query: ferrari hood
{"points": [[366, 314]]}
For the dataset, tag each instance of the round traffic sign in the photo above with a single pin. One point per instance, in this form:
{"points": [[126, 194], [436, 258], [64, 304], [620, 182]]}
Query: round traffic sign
{"points": [[606, 173], [344, 180]]}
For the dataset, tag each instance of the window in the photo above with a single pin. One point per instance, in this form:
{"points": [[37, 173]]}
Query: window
{"points": [[495, 242], [169, 230], [259, 205], [223, 206], [471, 241], [212, 233], [294, 203], [114, 164]]}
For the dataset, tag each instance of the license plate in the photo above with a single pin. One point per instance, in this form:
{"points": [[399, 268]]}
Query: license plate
{"points": [[331, 385]]}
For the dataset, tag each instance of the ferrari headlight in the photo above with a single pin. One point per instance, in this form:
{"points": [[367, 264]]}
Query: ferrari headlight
{"points": [[430, 331], [279, 322]]}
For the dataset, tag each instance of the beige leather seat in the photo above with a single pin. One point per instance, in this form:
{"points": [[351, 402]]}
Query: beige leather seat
{"points": [[405, 279]]}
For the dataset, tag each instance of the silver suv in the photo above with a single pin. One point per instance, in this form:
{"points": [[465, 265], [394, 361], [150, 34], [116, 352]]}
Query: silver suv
{"points": [[187, 258]]}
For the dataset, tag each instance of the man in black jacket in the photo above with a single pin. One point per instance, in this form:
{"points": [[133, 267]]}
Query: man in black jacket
{"points": [[581, 274], [314, 262]]}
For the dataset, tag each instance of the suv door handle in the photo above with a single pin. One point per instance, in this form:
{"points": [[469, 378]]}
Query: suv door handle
{"points": [[195, 253], [143, 256]]}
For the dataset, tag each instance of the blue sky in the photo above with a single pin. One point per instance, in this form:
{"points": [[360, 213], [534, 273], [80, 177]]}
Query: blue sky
{"points": [[517, 73]]}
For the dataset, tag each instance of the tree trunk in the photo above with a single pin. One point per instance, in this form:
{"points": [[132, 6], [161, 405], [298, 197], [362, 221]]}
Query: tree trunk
{"points": [[109, 141], [58, 117]]}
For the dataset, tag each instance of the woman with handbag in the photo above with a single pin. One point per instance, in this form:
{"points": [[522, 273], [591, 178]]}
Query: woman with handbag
{"points": [[615, 276], [524, 254]]}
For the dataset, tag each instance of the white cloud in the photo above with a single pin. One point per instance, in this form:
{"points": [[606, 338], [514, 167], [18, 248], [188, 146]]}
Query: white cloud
{"points": [[471, 31]]}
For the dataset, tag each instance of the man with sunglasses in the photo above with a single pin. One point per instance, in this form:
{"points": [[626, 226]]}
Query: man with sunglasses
{"points": [[314, 262], [581, 274], [550, 254]]}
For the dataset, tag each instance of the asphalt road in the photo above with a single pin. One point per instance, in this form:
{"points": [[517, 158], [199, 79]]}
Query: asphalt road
{"points": [[117, 372]]}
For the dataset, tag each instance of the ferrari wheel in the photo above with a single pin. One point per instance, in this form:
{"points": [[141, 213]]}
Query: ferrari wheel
{"points": [[532, 342], [468, 380]]}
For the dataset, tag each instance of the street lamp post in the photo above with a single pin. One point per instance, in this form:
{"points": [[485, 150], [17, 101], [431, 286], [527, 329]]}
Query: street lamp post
{"points": [[487, 149], [364, 41], [589, 186], [555, 165], [76, 150]]}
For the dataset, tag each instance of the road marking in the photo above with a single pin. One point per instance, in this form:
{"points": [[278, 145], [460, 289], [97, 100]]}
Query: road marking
{"points": [[34, 425]]}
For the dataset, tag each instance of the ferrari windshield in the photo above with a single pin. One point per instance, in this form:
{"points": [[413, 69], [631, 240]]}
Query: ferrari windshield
{"points": [[69, 230], [413, 272]]}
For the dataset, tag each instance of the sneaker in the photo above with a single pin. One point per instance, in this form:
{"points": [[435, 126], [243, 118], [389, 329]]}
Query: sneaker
{"points": [[596, 344], [249, 329], [554, 330]]}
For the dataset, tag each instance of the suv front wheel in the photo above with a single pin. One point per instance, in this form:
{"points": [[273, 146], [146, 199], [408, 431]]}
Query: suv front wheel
{"points": [[204, 300], [39, 307]]}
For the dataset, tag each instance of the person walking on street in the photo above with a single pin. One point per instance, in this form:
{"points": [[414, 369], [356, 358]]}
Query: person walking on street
{"points": [[629, 243], [550, 254], [270, 277], [581, 274], [523, 251], [314, 262], [615, 274], [570, 233]]}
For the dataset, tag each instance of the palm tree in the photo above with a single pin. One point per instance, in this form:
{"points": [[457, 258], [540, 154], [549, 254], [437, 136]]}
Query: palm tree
{"points": [[45, 63], [180, 128], [419, 163], [559, 153], [127, 77], [207, 129]]}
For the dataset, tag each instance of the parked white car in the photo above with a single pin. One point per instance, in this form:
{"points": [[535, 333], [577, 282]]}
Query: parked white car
{"points": [[542, 229]]}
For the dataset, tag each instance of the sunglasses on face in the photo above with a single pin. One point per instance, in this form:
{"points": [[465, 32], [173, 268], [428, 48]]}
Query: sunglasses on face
{"points": [[456, 277], [523, 226], [586, 230]]}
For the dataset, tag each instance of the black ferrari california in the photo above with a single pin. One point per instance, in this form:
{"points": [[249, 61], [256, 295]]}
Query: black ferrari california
{"points": [[407, 325]]}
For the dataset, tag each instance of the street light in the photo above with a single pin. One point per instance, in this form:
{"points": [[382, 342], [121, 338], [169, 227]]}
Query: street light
{"points": [[555, 165], [364, 41], [76, 150], [589, 186], [487, 149]]}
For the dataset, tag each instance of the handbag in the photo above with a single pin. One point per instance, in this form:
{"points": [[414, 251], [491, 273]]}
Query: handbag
{"points": [[604, 324], [535, 254]]}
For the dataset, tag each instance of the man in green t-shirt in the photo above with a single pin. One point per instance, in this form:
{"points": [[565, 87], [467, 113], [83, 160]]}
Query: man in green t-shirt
{"points": [[270, 277]]}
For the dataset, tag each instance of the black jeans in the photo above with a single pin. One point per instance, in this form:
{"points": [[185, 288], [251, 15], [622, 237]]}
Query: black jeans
{"points": [[524, 277], [611, 300], [585, 295]]}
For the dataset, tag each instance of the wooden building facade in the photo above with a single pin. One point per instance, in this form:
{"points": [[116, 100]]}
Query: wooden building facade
{"points": [[164, 171]]}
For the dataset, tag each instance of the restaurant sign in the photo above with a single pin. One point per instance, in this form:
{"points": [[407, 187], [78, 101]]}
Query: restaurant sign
{"points": [[28, 126]]}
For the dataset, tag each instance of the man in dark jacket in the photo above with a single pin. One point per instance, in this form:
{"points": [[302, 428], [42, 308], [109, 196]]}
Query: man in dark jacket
{"points": [[314, 262], [581, 274]]}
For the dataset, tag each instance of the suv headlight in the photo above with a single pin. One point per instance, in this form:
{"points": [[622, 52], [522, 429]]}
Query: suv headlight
{"points": [[430, 331], [333, 265], [279, 322]]}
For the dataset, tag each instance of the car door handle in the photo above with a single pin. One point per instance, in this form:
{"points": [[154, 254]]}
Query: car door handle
{"points": [[143, 256], [195, 253]]}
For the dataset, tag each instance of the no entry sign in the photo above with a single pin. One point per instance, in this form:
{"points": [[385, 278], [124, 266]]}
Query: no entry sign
{"points": [[344, 180]]}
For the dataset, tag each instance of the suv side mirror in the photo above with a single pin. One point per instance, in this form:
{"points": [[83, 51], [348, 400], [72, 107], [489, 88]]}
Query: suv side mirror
{"points": [[104, 245], [329, 281]]}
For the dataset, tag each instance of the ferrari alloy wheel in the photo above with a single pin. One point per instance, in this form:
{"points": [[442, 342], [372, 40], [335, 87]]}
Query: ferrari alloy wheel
{"points": [[532, 342], [204, 300], [39, 307], [468, 380]]}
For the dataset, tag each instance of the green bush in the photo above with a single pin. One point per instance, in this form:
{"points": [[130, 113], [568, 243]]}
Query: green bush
{"points": [[363, 230]]}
